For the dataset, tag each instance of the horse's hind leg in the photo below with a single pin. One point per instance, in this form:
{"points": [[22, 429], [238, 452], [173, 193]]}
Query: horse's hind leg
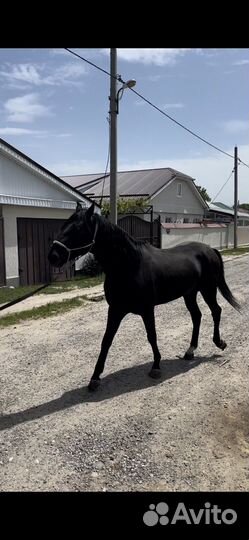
{"points": [[209, 295], [149, 323], [114, 319], [192, 306]]}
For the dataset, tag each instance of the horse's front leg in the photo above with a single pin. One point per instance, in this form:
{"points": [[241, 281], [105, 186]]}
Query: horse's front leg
{"points": [[149, 323], [114, 319]]}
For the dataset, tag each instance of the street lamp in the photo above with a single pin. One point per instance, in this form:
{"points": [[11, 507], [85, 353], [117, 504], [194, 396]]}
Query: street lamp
{"points": [[114, 110], [128, 84]]}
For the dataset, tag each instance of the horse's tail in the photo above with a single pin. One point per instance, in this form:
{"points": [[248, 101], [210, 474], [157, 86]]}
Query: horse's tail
{"points": [[223, 287]]}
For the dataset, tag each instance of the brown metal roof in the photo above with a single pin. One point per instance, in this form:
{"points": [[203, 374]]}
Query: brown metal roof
{"points": [[140, 182], [79, 180]]}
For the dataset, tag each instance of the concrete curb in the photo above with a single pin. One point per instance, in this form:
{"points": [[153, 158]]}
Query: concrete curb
{"points": [[92, 294]]}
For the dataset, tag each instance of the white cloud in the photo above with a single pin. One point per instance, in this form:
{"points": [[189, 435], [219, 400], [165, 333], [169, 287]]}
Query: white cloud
{"points": [[154, 78], [241, 62], [81, 166], [209, 53], [20, 131], [25, 109], [81, 51], [38, 134], [66, 74], [140, 102], [236, 126], [38, 75], [64, 135], [173, 106], [58, 52], [159, 57], [27, 73]]}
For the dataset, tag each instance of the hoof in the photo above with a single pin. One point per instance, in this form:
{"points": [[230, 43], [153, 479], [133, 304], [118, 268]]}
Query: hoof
{"points": [[222, 345], [93, 385], [188, 355], [155, 373]]}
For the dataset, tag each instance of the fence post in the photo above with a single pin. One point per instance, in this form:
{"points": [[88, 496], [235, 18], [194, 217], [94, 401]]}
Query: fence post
{"points": [[227, 236]]}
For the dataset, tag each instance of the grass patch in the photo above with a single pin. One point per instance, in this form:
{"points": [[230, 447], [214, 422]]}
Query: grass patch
{"points": [[76, 283], [7, 294], [238, 251], [42, 312]]}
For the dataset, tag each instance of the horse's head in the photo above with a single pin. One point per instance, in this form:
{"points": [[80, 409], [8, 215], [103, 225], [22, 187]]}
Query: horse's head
{"points": [[75, 238]]}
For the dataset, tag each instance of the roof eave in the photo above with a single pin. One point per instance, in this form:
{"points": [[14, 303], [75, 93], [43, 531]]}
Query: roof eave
{"points": [[28, 162]]}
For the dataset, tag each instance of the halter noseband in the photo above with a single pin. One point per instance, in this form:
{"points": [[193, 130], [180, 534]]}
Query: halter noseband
{"points": [[77, 248]]}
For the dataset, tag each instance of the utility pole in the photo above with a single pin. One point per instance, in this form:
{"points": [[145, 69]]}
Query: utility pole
{"points": [[113, 137], [235, 195]]}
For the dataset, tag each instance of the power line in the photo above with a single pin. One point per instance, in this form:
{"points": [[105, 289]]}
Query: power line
{"points": [[222, 186], [243, 163], [118, 77], [179, 123]]}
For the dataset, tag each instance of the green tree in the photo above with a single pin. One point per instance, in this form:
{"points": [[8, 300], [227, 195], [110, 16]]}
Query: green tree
{"points": [[244, 205], [203, 192], [125, 205]]}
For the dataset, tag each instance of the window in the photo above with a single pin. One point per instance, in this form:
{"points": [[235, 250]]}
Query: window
{"points": [[179, 190], [185, 220]]}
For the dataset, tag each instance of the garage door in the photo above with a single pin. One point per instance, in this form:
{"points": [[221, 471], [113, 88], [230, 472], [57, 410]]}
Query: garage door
{"points": [[34, 239], [2, 258]]}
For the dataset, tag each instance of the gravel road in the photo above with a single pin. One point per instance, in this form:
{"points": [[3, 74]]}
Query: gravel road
{"points": [[189, 431]]}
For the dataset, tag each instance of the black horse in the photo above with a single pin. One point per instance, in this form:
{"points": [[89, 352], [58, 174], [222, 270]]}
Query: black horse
{"points": [[139, 276]]}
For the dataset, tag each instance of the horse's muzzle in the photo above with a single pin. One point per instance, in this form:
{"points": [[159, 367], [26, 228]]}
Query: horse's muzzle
{"points": [[54, 258]]}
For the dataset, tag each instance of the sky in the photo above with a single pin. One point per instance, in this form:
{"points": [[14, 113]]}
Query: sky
{"points": [[54, 108]]}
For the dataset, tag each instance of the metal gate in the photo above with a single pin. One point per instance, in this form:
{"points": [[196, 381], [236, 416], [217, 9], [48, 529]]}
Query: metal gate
{"points": [[141, 229], [34, 238]]}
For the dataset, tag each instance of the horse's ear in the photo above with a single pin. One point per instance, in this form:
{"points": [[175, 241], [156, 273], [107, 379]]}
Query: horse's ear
{"points": [[78, 207], [90, 211]]}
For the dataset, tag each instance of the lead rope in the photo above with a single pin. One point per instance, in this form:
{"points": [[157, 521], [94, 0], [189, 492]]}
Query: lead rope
{"points": [[13, 302]]}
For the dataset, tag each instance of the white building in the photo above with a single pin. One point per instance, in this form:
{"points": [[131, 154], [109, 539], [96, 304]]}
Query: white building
{"points": [[34, 203]]}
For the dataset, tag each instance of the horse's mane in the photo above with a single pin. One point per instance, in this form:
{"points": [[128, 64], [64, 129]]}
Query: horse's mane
{"points": [[127, 249], [118, 234]]}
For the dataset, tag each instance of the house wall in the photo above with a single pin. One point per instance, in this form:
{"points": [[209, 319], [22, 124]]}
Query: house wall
{"points": [[168, 204], [10, 214], [18, 180], [216, 237]]}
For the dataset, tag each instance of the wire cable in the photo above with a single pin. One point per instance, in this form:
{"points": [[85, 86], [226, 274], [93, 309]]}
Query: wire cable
{"points": [[243, 163], [118, 78], [222, 187], [179, 124]]}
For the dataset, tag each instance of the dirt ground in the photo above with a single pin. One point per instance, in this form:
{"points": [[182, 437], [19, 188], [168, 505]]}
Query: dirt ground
{"points": [[188, 431]]}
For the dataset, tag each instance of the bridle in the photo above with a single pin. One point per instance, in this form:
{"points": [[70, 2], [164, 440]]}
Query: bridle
{"points": [[69, 250]]}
